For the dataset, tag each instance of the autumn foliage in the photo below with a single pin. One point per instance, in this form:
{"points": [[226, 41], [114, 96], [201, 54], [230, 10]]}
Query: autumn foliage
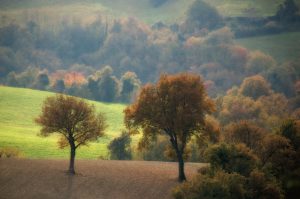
{"points": [[74, 120], [175, 106]]}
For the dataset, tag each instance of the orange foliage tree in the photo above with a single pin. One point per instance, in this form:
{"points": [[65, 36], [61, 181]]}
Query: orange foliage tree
{"points": [[175, 106], [255, 87], [74, 119]]}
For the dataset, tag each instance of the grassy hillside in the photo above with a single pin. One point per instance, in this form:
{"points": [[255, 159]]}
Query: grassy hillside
{"points": [[18, 108], [96, 179], [282, 47], [49, 12]]}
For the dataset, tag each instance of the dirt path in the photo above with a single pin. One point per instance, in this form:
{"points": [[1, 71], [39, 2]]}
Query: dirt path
{"points": [[43, 179]]}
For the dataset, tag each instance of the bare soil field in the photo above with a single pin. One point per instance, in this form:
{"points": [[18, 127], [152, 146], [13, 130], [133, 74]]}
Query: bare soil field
{"points": [[25, 178]]}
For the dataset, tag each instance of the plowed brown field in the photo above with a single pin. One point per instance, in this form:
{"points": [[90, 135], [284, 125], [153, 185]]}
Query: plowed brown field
{"points": [[43, 179]]}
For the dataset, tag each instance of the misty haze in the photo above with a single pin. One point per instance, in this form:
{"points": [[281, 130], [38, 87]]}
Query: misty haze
{"points": [[183, 99]]}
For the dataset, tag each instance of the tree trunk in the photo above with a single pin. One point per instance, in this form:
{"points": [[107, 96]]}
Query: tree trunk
{"points": [[181, 175], [72, 158]]}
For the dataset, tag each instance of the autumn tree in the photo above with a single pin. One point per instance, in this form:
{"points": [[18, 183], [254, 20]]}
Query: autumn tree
{"points": [[175, 106], [234, 108], [75, 120], [232, 158], [290, 129], [277, 154], [255, 86], [244, 132], [259, 62]]}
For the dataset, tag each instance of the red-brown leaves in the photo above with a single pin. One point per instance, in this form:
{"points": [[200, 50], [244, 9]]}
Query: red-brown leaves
{"points": [[72, 118], [177, 104]]}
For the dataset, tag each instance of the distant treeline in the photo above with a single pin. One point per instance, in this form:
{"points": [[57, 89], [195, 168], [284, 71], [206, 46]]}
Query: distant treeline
{"points": [[202, 44]]}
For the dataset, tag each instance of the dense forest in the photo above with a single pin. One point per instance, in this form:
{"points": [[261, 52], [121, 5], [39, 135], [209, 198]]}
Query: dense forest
{"points": [[118, 55], [109, 60]]}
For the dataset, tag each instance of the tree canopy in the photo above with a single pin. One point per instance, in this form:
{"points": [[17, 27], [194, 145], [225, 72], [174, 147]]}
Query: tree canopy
{"points": [[176, 106], [74, 119]]}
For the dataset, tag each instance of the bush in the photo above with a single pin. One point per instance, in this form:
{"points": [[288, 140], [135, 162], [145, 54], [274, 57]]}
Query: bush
{"points": [[232, 158], [159, 149], [221, 185], [120, 147], [290, 129], [261, 187], [246, 133], [255, 87], [10, 152], [259, 62], [277, 155]]}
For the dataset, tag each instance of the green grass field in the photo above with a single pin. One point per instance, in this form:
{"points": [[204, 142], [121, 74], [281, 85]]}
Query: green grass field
{"points": [[49, 12], [282, 47], [18, 108]]}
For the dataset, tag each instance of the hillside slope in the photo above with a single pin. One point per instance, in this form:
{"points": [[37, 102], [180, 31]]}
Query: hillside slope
{"points": [[95, 179], [19, 107], [53, 11], [282, 47]]}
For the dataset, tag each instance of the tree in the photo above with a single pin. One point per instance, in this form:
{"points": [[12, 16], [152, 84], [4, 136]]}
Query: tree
{"points": [[287, 12], [245, 132], [42, 81], [282, 79], [277, 155], [262, 186], [120, 147], [234, 108], [232, 158], [259, 62], [74, 119], [203, 15], [129, 85], [290, 129], [59, 86], [255, 87], [103, 85], [175, 106], [220, 185]]}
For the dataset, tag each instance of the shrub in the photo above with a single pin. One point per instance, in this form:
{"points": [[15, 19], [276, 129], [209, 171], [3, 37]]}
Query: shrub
{"points": [[277, 155], [120, 147], [290, 129], [10, 152], [232, 158], [246, 133], [221, 185], [259, 186], [259, 62], [255, 87]]}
